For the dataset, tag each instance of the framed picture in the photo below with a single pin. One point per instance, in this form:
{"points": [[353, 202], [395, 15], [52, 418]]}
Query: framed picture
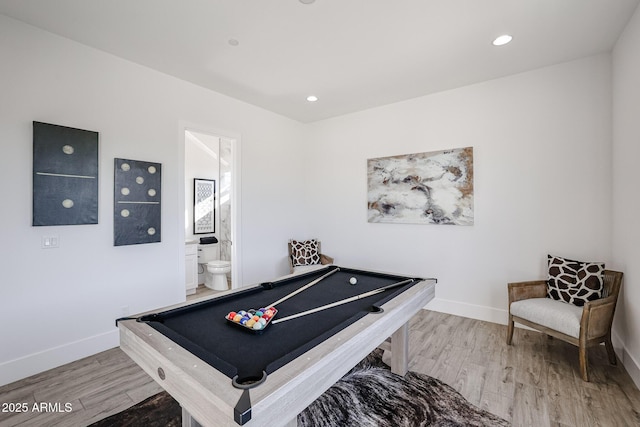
{"points": [[137, 202], [204, 206], [65, 175], [422, 188]]}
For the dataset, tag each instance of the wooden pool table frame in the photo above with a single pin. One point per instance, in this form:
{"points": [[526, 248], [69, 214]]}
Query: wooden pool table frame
{"points": [[206, 395]]}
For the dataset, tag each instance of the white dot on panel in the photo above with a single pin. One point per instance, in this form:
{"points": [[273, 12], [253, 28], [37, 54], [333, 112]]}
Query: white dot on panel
{"points": [[125, 213], [140, 180], [125, 167], [124, 191], [152, 169], [67, 149], [151, 192], [151, 231], [67, 203]]}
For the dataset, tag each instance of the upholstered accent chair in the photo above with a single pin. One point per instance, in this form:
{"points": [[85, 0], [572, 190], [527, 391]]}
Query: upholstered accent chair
{"points": [[584, 327], [306, 256]]}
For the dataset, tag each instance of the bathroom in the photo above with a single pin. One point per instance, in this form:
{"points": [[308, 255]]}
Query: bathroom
{"points": [[208, 167]]}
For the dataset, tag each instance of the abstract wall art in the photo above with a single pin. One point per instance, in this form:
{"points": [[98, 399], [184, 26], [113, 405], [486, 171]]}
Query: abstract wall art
{"points": [[65, 175], [204, 206], [423, 188], [137, 207]]}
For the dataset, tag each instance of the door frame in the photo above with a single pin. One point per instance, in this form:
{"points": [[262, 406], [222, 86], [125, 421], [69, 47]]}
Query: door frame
{"points": [[236, 173]]}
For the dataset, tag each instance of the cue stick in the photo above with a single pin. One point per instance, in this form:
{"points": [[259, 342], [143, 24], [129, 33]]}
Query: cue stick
{"points": [[307, 286], [343, 301]]}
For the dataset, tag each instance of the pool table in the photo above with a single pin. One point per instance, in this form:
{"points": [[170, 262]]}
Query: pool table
{"points": [[222, 373]]}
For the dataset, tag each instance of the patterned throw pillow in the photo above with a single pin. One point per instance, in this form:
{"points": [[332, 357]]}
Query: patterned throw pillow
{"points": [[305, 253], [575, 282]]}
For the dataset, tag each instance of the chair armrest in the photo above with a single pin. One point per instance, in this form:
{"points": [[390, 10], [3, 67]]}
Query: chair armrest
{"points": [[324, 259], [525, 290], [597, 317]]}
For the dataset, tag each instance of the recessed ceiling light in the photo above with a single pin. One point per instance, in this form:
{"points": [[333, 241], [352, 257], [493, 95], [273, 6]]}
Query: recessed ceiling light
{"points": [[311, 98], [307, 1], [234, 42], [502, 40]]}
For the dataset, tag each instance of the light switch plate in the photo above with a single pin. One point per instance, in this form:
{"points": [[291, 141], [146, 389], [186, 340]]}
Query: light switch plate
{"points": [[50, 242]]}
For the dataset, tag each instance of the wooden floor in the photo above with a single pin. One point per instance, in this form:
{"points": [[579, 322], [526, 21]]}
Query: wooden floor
{"points": [[534, 382]]}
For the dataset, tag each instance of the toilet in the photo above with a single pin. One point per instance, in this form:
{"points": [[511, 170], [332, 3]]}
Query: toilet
{"points": [[215, 269], [216, 277]]}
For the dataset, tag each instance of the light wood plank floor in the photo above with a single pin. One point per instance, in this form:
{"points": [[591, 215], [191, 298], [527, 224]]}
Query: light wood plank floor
{"points": [[534, 382]]}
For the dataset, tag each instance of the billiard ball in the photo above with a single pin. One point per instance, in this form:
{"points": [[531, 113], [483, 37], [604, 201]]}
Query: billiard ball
{"points": [[353, 280]]}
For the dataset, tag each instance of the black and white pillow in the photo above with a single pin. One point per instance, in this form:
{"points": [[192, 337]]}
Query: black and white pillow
{"points": [[575, 282], [305, 253]]}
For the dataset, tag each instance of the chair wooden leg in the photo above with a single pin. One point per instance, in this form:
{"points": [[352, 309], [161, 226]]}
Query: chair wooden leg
{"points": [[610, 352], [509, 330], [584, 362]]}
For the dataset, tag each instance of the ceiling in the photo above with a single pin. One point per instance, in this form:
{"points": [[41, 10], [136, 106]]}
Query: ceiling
{"points": [[351, 54]]}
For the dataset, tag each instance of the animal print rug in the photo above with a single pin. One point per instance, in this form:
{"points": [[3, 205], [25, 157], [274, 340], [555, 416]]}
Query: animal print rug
{"points": [[368, 396]]}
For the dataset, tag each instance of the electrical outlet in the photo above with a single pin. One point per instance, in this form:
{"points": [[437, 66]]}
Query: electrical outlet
{"points": [[50, 242]]}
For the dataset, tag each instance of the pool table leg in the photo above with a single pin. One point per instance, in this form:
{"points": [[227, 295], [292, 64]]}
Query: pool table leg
{"points": [[400, 350], [188, 420]]}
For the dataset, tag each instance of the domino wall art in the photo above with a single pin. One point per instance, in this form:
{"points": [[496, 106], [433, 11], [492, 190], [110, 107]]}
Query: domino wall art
{"points": [[423, 188], [136, 216], [65, 175]]}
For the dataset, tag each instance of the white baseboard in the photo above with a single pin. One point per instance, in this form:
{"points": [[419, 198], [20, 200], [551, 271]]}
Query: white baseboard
{"points": [[23, 367], [630, 364], [472, 311], [632, 367]]}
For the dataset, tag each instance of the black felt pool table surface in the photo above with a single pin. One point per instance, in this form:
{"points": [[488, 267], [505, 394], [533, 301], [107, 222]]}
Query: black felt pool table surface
{"points": [[202, 329]]}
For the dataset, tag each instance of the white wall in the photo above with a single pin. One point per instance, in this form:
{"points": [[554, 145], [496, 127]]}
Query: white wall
{"points": [[626, 152], [543, 179], [60, 304], [542, 166]]}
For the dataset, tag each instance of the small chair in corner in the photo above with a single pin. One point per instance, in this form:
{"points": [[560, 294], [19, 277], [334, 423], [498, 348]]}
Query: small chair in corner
{"points": [[295, 267], [584, 327]]}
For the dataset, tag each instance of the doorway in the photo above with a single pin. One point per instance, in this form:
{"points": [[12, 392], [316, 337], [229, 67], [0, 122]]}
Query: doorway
{"points": [[213, 155]]}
